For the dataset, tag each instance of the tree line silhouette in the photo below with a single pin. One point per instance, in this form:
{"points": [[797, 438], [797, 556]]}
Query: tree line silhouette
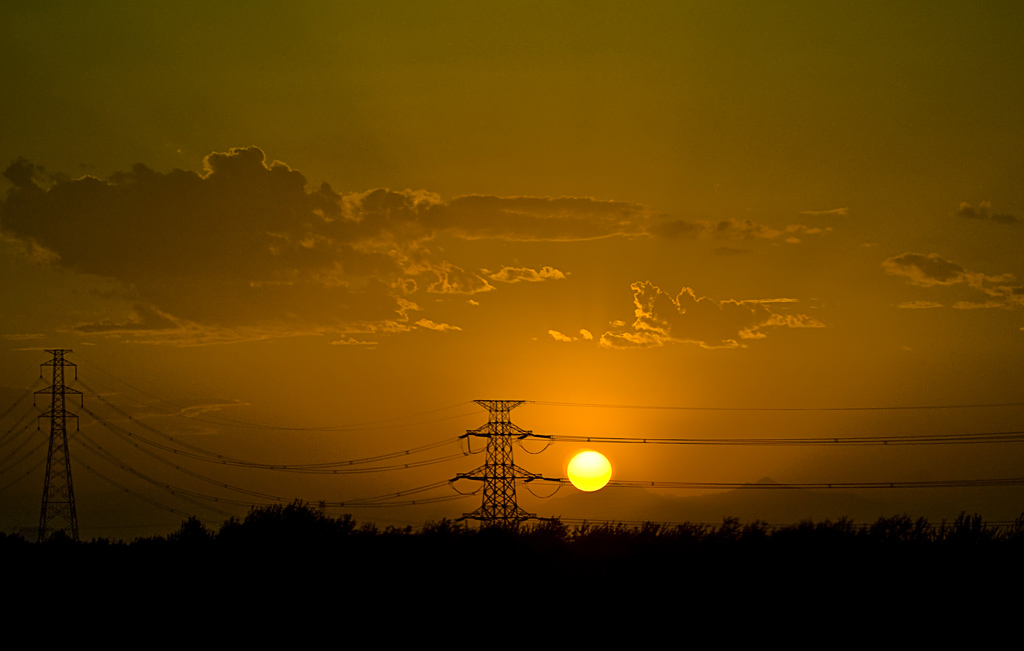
{"points": [[283, 552], [283, 527]]}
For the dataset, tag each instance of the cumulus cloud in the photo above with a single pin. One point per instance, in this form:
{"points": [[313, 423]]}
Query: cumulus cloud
{"points": [[558, 336], [525, 274], [932, 270], [662, 318], [983, 211], [585, 335]]}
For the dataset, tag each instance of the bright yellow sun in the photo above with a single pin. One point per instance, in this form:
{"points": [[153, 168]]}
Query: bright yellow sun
{"points": [[589, 471]]}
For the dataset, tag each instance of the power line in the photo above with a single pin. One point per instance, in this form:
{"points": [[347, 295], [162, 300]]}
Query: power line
{"points": [[141, 496], [325, 468], [181, 493], [382, 500], [110, 458], [952, 483], [182, 411], [1015, 436], [670, 527], [20, 398], [545, 403], [24, 442], [19, 461], [24, 422]]}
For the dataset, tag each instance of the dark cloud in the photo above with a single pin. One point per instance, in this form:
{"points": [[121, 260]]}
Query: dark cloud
{"points": [[983, 211], [726, 229], [22, 174], [419, 215], [140, 319], [686, 318], [729, 229], [924, 270], [933, 270]]}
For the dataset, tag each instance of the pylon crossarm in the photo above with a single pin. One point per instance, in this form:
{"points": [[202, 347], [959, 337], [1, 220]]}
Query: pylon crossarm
{"points": [[557, 480], [499, 405], [66, 390], [483, 430], [469, 474], [529, 434], [519, 515], [520, 473]]}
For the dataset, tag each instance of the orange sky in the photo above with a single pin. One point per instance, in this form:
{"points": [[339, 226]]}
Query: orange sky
{"points": [[323, 214]]}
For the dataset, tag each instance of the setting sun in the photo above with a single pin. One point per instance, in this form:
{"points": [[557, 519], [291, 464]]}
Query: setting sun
{"points": [[589, 471]]}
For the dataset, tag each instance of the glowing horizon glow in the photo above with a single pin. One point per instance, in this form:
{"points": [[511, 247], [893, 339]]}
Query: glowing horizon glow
{"points": [[589, 471]]}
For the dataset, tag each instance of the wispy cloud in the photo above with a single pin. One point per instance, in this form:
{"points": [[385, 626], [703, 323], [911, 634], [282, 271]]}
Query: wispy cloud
{"points": [[706, 322], [440, 327], [730, 229], [525, 274], [919, 305], [839, 212]]}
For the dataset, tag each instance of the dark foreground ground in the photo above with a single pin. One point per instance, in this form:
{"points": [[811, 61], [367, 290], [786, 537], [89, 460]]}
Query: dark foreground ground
{"points": [[295, 559]]}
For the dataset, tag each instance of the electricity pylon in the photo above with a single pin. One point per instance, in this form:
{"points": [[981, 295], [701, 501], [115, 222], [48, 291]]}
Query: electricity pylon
{"points": [[58, 513], [499, 473]]}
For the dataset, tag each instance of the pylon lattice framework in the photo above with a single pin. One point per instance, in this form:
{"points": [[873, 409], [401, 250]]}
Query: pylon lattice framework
{"points": [[499, 472], [58, 512]]}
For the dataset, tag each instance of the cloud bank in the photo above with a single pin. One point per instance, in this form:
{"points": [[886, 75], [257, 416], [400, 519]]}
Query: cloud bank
{"points": [[244, 250]]}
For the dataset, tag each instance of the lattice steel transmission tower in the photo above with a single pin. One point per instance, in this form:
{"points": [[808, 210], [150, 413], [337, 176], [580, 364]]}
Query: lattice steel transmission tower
{"points": [[58, 513], [499, 473]]}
